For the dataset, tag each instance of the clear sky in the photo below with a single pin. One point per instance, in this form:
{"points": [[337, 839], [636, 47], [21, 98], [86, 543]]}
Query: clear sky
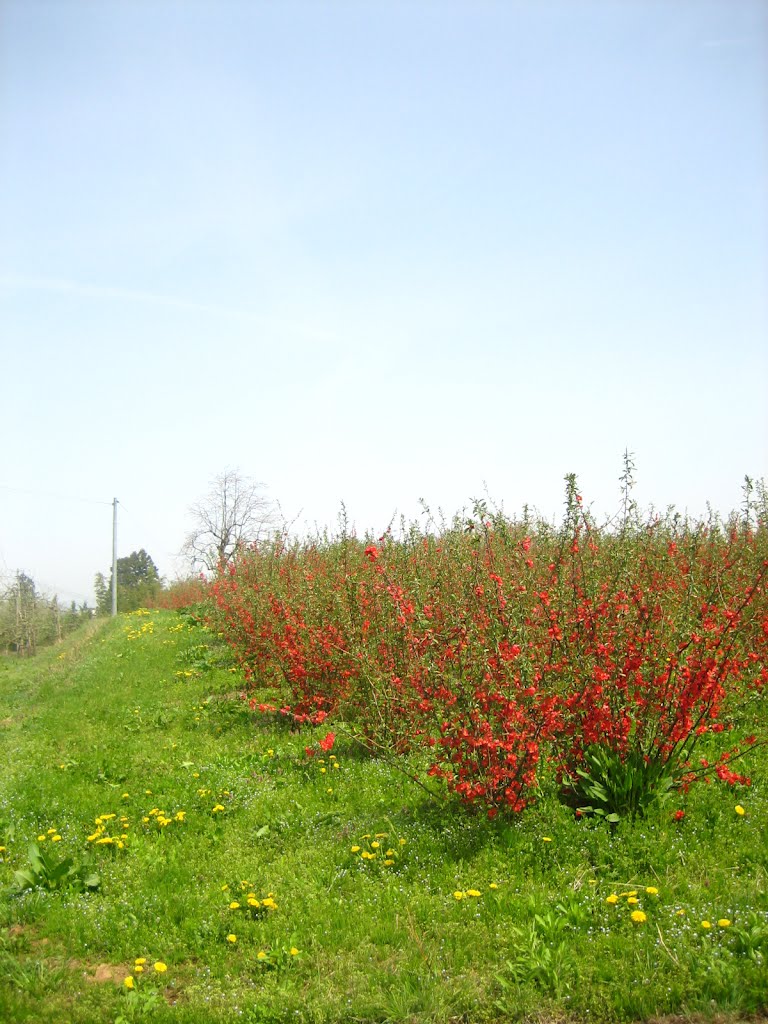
{"points": [[374, 252]]}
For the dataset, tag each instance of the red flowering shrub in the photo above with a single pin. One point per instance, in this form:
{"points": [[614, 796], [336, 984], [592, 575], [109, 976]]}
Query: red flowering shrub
{"points": [[180, 594], [498, 646]]}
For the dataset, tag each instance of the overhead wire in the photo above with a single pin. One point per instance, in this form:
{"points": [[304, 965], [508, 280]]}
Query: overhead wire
{"points": [[50, 494]]}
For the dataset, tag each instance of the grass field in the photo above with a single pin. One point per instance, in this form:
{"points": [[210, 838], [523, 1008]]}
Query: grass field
{"points": [[241, 879]]}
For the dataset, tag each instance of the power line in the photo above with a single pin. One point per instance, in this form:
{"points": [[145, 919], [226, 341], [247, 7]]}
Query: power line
{"points": [[50, 494]]}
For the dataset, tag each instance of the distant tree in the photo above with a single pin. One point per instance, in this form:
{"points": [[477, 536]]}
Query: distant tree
{"points": [[234, 512], [103, 602], [138, 583], [9, 617], [29, 619], [26, 597]]}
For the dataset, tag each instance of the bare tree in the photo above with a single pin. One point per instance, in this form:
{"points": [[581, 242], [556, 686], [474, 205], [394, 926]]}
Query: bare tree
{"points": [[234, 512]]}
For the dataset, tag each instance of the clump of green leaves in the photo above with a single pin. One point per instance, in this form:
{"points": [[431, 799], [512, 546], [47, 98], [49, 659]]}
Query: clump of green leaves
{"points": [[43, 871], [612, 787], [140, 1004]]}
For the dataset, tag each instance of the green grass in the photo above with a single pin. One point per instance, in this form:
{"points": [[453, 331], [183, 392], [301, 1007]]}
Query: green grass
{"points": [[125, 719]]}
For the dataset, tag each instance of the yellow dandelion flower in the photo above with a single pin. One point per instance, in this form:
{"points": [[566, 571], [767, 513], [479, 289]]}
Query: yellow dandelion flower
{"points": [[293, 951], [546, 839], [633, 901], [651, 890], [224, 887], [474, 892], [253, 902], [375, 845], [261, 955], [355, 849], [56, 838], [493, 885], [231, 938], [388, 863], [613, 898], [638, 916], [138, 969], [128, 982], [160, 967], [41, 839], [724, 923], [234, 905], [706, 924], [458, 895], [739, 810], [402, 842]]}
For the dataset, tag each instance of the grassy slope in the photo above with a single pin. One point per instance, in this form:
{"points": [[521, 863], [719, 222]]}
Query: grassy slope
{"points": [[108, 725]]}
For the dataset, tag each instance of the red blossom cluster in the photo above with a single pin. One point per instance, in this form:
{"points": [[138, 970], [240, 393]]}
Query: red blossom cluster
{"points": [[497, 645]]}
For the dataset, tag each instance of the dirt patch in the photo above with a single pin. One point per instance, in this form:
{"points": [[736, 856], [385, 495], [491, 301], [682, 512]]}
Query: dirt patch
{"points": [[103, 974]]}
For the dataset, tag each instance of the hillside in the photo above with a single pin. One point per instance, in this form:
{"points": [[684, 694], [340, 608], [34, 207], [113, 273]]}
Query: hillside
{"points": [[226, 868]]}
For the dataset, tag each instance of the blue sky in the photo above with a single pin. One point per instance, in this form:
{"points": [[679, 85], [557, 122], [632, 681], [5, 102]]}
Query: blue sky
{"points": [[374, 252]]}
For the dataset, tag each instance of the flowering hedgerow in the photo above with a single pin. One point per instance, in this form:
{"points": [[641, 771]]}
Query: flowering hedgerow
{"points": [[497, 645]]}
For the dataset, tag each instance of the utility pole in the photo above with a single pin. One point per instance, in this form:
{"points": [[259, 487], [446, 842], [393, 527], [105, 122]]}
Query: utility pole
{"points": [[18, 613], [114, 556]]}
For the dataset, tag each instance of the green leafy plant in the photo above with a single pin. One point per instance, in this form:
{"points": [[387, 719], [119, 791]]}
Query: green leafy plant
{"points": [[540, 958], [751, 938], [44, 872], [612, 787], [139, 1003]]}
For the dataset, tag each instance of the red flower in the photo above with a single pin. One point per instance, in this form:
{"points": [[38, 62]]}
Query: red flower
{"points": [[327, 743], [372, 552], [678, 815]]}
